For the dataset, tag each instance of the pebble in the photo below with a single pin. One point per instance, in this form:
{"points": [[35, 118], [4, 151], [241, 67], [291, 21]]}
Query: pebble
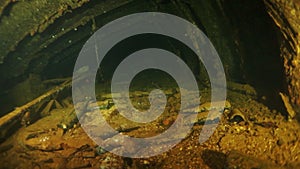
{"points": [[100, 150]]}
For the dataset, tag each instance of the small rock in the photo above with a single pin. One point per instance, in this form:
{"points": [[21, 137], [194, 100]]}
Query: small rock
{"points": [[100, 150]]}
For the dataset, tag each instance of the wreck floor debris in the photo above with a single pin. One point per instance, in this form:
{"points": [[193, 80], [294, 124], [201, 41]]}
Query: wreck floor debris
{"points": [[249, 135]]}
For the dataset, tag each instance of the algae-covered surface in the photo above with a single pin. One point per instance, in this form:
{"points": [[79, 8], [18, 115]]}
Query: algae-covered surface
{"points": [[29, 17]]}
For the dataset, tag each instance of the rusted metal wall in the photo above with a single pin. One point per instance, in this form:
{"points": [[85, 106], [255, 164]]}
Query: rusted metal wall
{"points": [[286, 15], [28, 28]]}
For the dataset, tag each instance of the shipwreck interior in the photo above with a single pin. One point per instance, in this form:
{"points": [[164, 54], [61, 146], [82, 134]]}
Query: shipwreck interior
{"points": [[256, 40]]}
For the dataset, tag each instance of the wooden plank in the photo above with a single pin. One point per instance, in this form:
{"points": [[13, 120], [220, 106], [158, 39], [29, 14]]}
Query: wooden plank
{"points": [[12, 121]]}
